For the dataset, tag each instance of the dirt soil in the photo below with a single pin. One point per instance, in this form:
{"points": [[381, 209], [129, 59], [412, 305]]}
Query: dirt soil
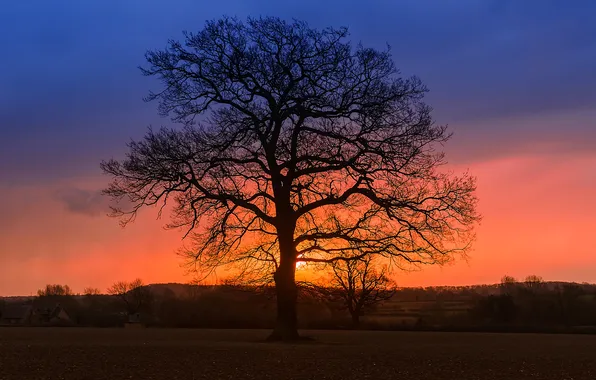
{"points": [[77, 353]]}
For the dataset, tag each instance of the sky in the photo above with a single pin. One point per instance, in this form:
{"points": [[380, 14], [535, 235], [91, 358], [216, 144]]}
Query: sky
{"points": [[514, 80]]}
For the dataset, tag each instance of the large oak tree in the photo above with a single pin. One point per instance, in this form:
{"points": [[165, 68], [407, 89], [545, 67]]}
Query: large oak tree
{"points": [[296, 146]]}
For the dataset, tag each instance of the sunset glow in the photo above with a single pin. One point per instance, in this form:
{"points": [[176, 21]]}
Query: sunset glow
{"points": [[537, 227]]}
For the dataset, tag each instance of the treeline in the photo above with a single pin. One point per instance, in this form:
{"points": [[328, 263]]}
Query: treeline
{"points": [[534, 302], [530, 305]]}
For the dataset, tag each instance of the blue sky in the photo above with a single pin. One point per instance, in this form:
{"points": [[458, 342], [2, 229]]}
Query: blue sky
{"points": [[71, 91]]}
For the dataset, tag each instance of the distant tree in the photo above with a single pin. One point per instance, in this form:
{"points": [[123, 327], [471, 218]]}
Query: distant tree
{"points": [[567, 297], [534, 282], [508, 280], [134, 295], [297, 147], [496, 309], [508, 285], [90, 291], [55, 290], [56, 294], [357, 285]]}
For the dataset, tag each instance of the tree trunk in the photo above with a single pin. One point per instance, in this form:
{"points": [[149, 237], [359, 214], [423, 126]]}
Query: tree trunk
{"points": [[286, 325]]}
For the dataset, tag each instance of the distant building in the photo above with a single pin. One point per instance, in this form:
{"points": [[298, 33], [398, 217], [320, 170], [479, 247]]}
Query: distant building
{"points": [[16, 314], [28, 315], [52, 315]]}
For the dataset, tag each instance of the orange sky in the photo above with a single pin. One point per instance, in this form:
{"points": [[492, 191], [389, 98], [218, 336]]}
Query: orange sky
{"points": [[538, 218]]}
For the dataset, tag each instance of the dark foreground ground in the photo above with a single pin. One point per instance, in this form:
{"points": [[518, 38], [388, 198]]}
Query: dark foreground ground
{"points": [[72, 353]]}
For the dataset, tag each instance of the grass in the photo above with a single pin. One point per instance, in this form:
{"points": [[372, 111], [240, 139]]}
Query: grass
{"points": [[78, 353]]}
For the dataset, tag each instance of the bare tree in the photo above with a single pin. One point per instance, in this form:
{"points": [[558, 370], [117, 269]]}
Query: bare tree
{"points": [[134, 295], [534, 282], [357, 285], [91, 291], [508, 280], [55, 290], [296, 147], [508, 285]]}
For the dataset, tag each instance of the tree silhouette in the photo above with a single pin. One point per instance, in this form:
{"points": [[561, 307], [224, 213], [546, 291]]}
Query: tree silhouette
{"points": [[534, 282], [357, 285], [508, 285], [52, 290], [134, 295], [91, 291], [508, 280], [296, 147]]}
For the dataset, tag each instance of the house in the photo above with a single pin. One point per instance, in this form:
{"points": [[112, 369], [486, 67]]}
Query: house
{"points": [[50, 315], [16, 314]]}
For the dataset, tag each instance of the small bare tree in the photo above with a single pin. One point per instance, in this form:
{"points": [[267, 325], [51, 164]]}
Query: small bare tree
{"points": [[91, 291], [134, 295], [534, 282], [296, 147], [357, 285], [55, 290], [508, 285]]}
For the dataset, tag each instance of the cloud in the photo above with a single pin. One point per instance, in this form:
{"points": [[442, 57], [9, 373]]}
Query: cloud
{"points": [[85, 202]]}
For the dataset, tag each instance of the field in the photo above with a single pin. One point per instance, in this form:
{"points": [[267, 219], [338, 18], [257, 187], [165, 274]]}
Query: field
{"points": [[77, 353]]}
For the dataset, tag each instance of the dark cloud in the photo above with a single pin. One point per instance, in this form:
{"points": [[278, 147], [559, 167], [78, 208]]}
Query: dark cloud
{"points": [[86, 202]]}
